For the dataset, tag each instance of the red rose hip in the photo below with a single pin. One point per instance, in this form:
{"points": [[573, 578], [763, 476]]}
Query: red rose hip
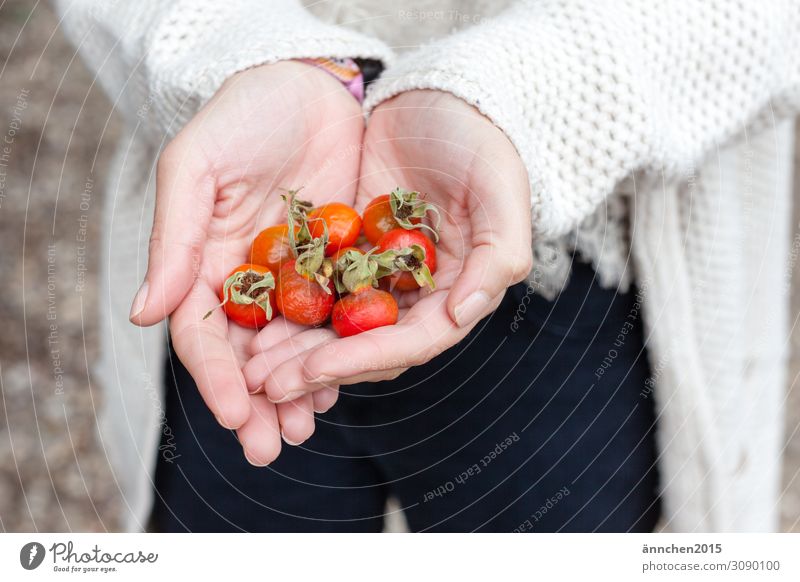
{"points": [[342, 222], [399, 239], [365, 309], [247, 296], [301, 298]]}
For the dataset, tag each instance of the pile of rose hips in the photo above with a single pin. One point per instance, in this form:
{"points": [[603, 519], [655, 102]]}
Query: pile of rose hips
{"points": [[302, 270]]}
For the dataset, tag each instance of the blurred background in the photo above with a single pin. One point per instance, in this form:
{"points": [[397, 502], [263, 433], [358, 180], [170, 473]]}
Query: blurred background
{"points": [[57, 132]]}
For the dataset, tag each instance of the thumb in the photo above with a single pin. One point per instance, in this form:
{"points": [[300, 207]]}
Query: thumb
{"points": [[185, 193], [501, 253]]}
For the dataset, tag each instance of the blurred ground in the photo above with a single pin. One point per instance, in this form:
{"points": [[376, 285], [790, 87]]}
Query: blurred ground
{"points": [[53, 474]]}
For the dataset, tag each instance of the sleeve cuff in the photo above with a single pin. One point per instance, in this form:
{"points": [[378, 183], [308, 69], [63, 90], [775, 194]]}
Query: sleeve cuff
{"points": [[198, 45]]}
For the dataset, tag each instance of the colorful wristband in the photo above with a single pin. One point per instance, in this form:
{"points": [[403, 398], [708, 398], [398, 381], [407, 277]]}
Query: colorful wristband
{"points": [[346, 71]]}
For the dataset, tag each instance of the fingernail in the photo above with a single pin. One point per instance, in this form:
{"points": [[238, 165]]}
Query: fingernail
{"points": [[471, 308], [255, 390], [139, 300], [288, 442], [323, 379], [222, 424], [252, 462], [288, 397]]}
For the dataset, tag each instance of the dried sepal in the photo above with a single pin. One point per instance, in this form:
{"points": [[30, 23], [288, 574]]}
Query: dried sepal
{"points": [[356, 270], [312, 264], [237, 289], [309, 251], [407, 205], [297, 218], [412, 260]]}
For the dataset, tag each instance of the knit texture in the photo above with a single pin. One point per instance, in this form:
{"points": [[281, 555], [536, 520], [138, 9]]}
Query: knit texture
{"points": [[710, 251], [161, 61], [591, 91], [635, 113]]}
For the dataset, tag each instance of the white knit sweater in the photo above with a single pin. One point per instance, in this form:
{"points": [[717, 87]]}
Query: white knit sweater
{"points": [[655, 139]]}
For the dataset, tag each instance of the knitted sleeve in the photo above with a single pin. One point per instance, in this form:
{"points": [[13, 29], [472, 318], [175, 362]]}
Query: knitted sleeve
{"points": [[159, 60], [590, 91]]}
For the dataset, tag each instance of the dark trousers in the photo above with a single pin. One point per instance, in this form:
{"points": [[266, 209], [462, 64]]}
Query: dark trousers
{"points": [[540, 420]]}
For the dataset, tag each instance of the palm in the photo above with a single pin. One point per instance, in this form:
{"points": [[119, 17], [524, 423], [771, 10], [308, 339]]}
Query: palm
{"points": [[412, 164], [435, 143], [261, 137], [267, 130]]}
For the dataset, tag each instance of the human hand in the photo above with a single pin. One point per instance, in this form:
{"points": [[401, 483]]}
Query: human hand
{"points": [[435, 143], [218, 184]]}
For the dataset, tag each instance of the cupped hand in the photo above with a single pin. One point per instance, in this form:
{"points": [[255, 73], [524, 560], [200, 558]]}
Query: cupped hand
{"points": [[219, 182], [437, 144]]}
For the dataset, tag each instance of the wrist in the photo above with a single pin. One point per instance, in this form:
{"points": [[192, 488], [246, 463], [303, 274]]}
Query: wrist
{"points": [[345, 71], [292, 77]]}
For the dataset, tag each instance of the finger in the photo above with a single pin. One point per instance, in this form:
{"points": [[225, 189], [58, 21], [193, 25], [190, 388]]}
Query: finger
{"points": [[325, 399], [260, 436], [296, 419], [500, 255], [488, 271], [203, 347], [422, 334], [240, 339], [185, 195], [278, 330], [287, 382], [258, 369], [382, 376]]}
